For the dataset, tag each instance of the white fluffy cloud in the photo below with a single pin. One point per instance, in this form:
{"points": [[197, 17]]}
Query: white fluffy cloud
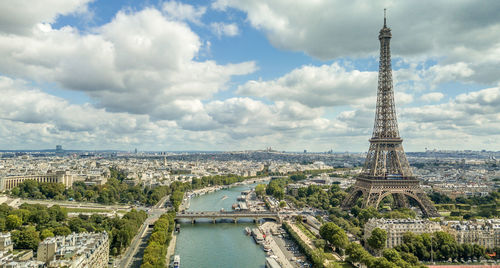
{"points": [[475, 113], [148, 88], [19, 16], [41, 118], [183, 12], [432, 97], [331, 29], [139, 63], [316, 86]]}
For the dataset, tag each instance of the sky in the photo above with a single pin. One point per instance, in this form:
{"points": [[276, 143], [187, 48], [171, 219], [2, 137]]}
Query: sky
{"points": [[231, 75]]}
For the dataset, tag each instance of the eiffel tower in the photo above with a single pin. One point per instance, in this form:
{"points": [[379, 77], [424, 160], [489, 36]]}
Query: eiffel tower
{"points": [[386, 170]]}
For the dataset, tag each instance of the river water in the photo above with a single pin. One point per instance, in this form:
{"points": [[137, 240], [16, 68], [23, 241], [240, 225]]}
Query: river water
{"points": [[219, 245]]}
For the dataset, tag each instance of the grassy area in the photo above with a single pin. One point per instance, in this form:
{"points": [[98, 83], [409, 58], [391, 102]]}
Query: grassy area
{"points": [[343, 264], [445, 213], [329, 256], [306, 231], [89, 210], [122, 211]]}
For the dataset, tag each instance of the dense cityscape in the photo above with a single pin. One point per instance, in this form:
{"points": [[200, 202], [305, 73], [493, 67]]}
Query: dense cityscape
{"points": [[197, 92], [84, 197]]}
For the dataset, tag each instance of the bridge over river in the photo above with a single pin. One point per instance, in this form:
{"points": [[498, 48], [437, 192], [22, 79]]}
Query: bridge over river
{"points": [[232, 215]]}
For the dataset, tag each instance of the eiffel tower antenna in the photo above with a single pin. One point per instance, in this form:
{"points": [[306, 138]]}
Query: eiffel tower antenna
{"points": [[386, 170], [385, 18]]}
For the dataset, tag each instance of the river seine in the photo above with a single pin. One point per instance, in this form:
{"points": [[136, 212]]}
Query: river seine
{"points": [[221, 245]]}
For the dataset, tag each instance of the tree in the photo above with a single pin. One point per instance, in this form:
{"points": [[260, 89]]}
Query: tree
{"points": [[320, 243], [377, 239], [298, 177], [26, 239], [356, 252], [260, 190], [57, 213], [13, 222], [63, 230], [282, 204], [333, 234], [274, 189], [46, 233], [367, 213]]}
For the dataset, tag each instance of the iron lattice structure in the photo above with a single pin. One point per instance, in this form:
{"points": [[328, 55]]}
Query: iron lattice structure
{"points": [[386, 170]]}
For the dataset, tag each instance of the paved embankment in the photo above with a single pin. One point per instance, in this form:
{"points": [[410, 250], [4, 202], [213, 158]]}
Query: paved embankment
{"points": [[171, 248], [267, 227]]}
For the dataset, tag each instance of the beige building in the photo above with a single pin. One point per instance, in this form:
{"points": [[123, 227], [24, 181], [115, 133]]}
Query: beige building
{"points": [[9, 182], [5, 242], [482, 232], [75, 250], [395, 228]]}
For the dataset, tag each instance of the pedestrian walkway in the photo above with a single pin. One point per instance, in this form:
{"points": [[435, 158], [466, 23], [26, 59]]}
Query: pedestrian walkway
{"points": [[281, 258], [171, 248], [302, 236]]}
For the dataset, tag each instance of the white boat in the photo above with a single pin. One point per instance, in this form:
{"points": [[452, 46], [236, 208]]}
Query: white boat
{"points": [[224, 197], [257, 236], [272, 263], [177, 261], [248, 231]]}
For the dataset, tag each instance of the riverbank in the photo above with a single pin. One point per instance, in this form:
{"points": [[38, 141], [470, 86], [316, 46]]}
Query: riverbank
{"points": [[212, 189], [171, 249], [269, 228]]}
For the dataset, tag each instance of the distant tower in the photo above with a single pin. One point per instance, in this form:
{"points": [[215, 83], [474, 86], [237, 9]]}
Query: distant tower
{"points": [[59, 150], [135, 151], [386, 170]]}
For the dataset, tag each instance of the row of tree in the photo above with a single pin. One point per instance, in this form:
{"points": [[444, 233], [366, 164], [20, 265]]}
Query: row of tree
{"points": [[154, 254], [390, 258], [337, 238], [314, 256], [439, 246], [469, 207], [325, 197], [112, 192]]}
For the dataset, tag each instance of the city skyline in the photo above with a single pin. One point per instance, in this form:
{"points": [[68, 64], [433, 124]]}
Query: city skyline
{"points": [[233, 75]]}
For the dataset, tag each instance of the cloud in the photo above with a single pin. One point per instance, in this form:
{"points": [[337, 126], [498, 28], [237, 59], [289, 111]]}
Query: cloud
{"points": [[183, 12], [32, 106], [316, 86], [221, 29], [140, 63], [148, 88], [432, 97], [19, 16], [475, 113], [328, 29], [43, 119]]}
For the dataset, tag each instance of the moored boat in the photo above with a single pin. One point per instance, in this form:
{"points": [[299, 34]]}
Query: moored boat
{"points": [[177, 261], [257, 236]]}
